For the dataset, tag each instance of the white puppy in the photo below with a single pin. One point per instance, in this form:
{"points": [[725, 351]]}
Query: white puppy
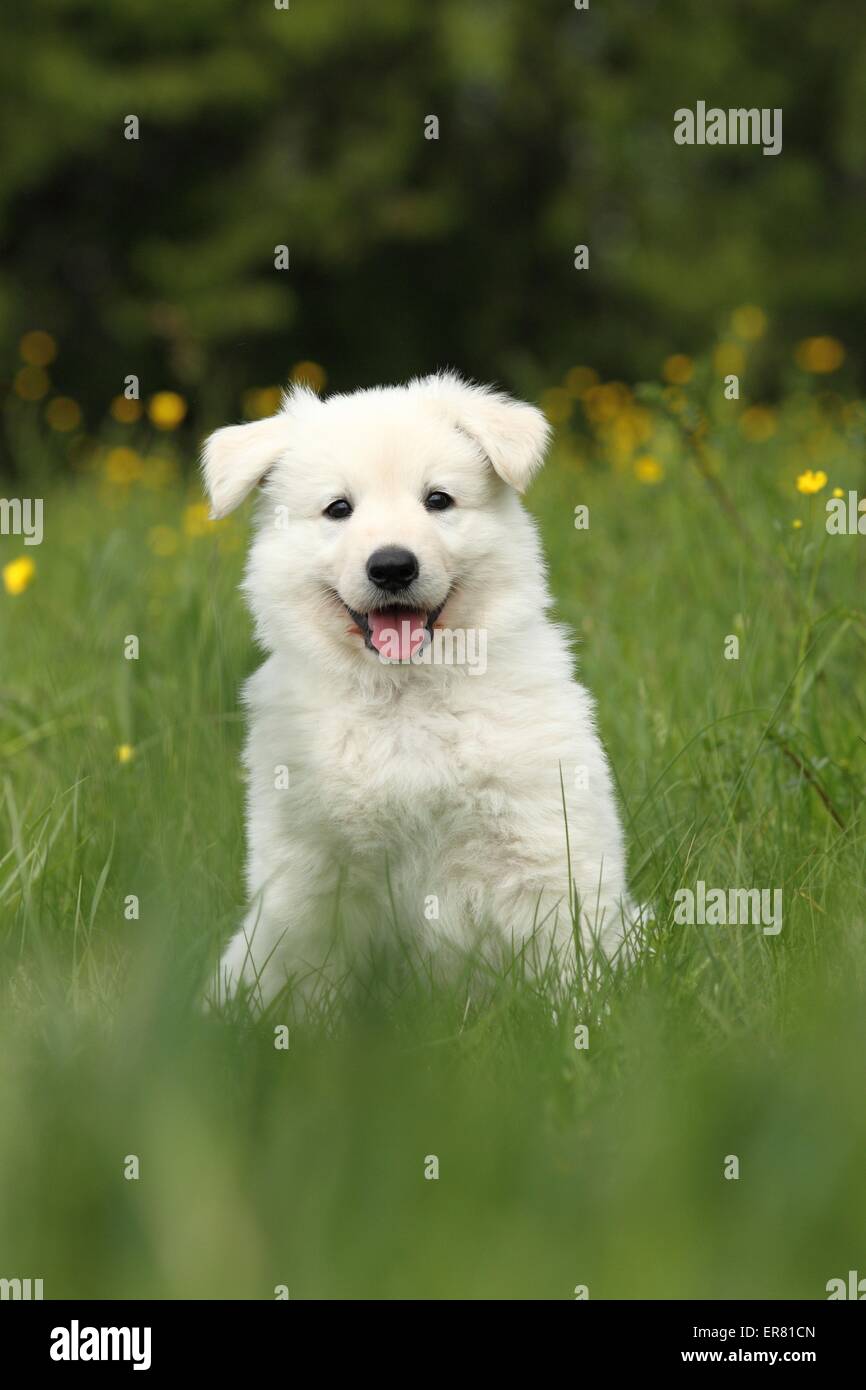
{"points": [[418, 745]]}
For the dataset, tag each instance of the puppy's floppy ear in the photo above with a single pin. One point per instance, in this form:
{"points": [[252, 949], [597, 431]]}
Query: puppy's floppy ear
{"points": [[237, 457], [513, 435]]}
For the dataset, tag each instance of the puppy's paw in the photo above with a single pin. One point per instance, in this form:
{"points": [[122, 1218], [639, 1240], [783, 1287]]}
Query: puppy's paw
{"points": [[235, 978]]}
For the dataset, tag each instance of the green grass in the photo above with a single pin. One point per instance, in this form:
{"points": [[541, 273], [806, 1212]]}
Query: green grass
{"points": [[558, 1167]]}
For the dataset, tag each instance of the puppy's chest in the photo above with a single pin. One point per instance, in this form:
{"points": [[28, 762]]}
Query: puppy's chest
{"points": [[399, 773]]}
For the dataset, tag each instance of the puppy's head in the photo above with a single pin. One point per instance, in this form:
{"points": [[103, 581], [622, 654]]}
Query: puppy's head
{"points": [[384, 513]]}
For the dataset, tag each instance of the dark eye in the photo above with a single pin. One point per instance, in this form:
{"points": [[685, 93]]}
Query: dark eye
{"points": [[339, 510], [438, 502]]}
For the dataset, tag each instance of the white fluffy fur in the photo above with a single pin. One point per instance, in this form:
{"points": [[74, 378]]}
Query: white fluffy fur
{"points": [[408, 781]]}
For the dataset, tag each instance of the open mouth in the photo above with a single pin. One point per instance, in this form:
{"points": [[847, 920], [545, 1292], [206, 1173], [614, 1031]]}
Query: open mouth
{"points": [[398, 632]]}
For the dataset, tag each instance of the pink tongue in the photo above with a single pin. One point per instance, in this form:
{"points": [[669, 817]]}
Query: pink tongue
{"points": [[396, 635]]}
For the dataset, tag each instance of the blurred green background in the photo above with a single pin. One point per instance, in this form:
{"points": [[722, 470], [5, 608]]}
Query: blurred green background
{"points": [[305, 127]]}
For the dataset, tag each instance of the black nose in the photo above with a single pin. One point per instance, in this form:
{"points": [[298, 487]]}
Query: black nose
{"points": [[392, 567]]}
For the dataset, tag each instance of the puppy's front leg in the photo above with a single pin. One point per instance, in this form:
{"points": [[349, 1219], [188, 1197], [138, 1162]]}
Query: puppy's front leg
{"points": [[284, 939], [560, 932]]}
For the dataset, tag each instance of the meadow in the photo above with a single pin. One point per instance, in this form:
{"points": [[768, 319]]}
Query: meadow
{"points": [[559, 1167]]}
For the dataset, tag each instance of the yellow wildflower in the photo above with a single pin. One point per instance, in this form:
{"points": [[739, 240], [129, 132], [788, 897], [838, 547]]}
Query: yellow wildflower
{"points": [[621, 436], [124, 411], [758, 424], [678, 369], [197, 520], [309, 374], [810, 482], [820, 355], [648, 469], [125, 753], [166, 410], [31, 383], [37, 348], [18, 574], [729, 359], [123, 466], [604, 402], [261, 401], [63, 414], [749, 322]]}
